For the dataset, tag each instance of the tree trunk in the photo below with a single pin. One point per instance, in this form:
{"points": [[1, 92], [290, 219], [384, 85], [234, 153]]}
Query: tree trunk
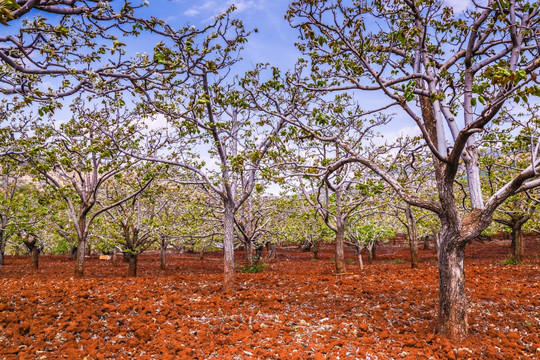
{"points": [[72, 253], [35, 257], [181, 249], [201, 252], [259, 251], [315, 250], [163, 257], [79, 265], [34, 252], [132, 267], [472, 169], [2, 248], [437, 237], [425, 239], [413, 237], [339, 253], [413, 245], [81, 246], [452, 297], [517, 241], [2, 251], [270, 251], [360, 259], [370, 252], [228, 247], [249, 252], [115, 256]]}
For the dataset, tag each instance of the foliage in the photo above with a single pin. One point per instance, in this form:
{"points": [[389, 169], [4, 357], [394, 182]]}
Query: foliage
{"points": [[369, 232]]}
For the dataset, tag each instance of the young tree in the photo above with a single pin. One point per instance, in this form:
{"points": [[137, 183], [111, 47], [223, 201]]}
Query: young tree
{"points": [[363, 234], [137, 219], [337, 198], [253, 220], [432, 66]]}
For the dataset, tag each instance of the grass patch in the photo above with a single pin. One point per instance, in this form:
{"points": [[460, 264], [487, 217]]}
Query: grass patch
{"points": [[511, 260], [257, 267]]}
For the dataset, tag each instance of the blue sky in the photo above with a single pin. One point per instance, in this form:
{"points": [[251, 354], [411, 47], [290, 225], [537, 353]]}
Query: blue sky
{"points": [[275, 41], [273, 44]]}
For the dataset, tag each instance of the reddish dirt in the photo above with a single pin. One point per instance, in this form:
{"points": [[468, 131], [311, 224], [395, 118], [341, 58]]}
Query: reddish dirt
{"points": [[296, 309]]}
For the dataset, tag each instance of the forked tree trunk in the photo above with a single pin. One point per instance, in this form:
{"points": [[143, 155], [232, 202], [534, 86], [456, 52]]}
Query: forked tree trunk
{"points": [[34, 252], [132, 267], [517, 241], [339, 253], [452, 297], [249, 252], [228, 247]]}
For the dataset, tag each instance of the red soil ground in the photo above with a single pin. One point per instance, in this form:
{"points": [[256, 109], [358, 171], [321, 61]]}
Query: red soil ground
{"points": [[295, 309]]}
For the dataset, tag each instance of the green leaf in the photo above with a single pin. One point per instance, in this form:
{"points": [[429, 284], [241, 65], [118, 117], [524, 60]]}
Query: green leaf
{"points": [[482, 100]]}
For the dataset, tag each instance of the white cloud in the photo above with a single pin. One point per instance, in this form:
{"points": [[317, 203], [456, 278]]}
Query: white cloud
{"points": [[459, 6], [390, 135], [213, 7], [244, 5], [197, 9], [192, 12]]}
